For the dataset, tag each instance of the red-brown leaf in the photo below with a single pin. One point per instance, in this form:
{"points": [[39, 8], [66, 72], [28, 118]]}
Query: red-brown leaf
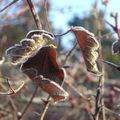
{"points": [[89, 47], [52, 88], [45, 63]]}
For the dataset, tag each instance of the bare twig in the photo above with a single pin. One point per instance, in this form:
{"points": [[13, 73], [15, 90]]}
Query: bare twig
{"points": [[6, 7], [112, 65], [46, 15], [28, 105], [107, 35], [12, 91], [35, 15], [69, 53], [12, 103], [98, 99], [115, 28], [15, 110], [80, 94], [63, 33], [112, 112], [47, 104]]}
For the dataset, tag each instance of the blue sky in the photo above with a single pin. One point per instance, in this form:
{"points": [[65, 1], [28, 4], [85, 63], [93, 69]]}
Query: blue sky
{"points": [[61, 12], [81, 8]]}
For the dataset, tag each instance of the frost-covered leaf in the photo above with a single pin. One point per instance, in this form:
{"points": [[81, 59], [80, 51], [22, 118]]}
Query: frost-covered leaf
{"points": [[45, 63], [29, 46], [89, 47], [52, 88]]}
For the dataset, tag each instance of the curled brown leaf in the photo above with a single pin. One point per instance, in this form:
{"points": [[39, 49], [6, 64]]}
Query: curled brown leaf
{"points": [[45, 63], [29, 46]]}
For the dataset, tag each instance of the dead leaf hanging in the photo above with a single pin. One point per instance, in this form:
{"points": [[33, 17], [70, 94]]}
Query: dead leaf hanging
{"points": [[116, 47], [52, 88], [37, 56], [89, 47]]}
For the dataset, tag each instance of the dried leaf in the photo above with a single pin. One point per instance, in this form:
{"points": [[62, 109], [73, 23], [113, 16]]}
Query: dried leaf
{"points": [[29, 46], [45, 63], [89, 47], [116, 47], [52, 88], [17, 54], [28, 43]]}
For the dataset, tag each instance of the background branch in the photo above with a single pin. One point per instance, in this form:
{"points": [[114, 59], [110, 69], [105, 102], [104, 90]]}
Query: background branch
{"points": [[35, 15]]}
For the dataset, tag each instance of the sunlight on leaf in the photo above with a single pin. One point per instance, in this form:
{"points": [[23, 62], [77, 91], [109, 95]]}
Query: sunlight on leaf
{"points": [[52, 88], [29, 46], [89, 47]]}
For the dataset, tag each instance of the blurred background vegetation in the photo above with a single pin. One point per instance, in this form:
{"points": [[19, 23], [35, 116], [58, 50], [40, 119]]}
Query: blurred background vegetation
{"points": [[14, 27]]}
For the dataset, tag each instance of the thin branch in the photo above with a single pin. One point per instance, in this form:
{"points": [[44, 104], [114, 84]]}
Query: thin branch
{"points": [[98, 100], [15, 110], [28, 104], [63, 33], [12, 104], [116, 26], [112, 112], [6, 7], [35, 15], [46, 15], [77, 91], [105, 35], [47, 104], [112, 64], [12, 91], [69, 53]]}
